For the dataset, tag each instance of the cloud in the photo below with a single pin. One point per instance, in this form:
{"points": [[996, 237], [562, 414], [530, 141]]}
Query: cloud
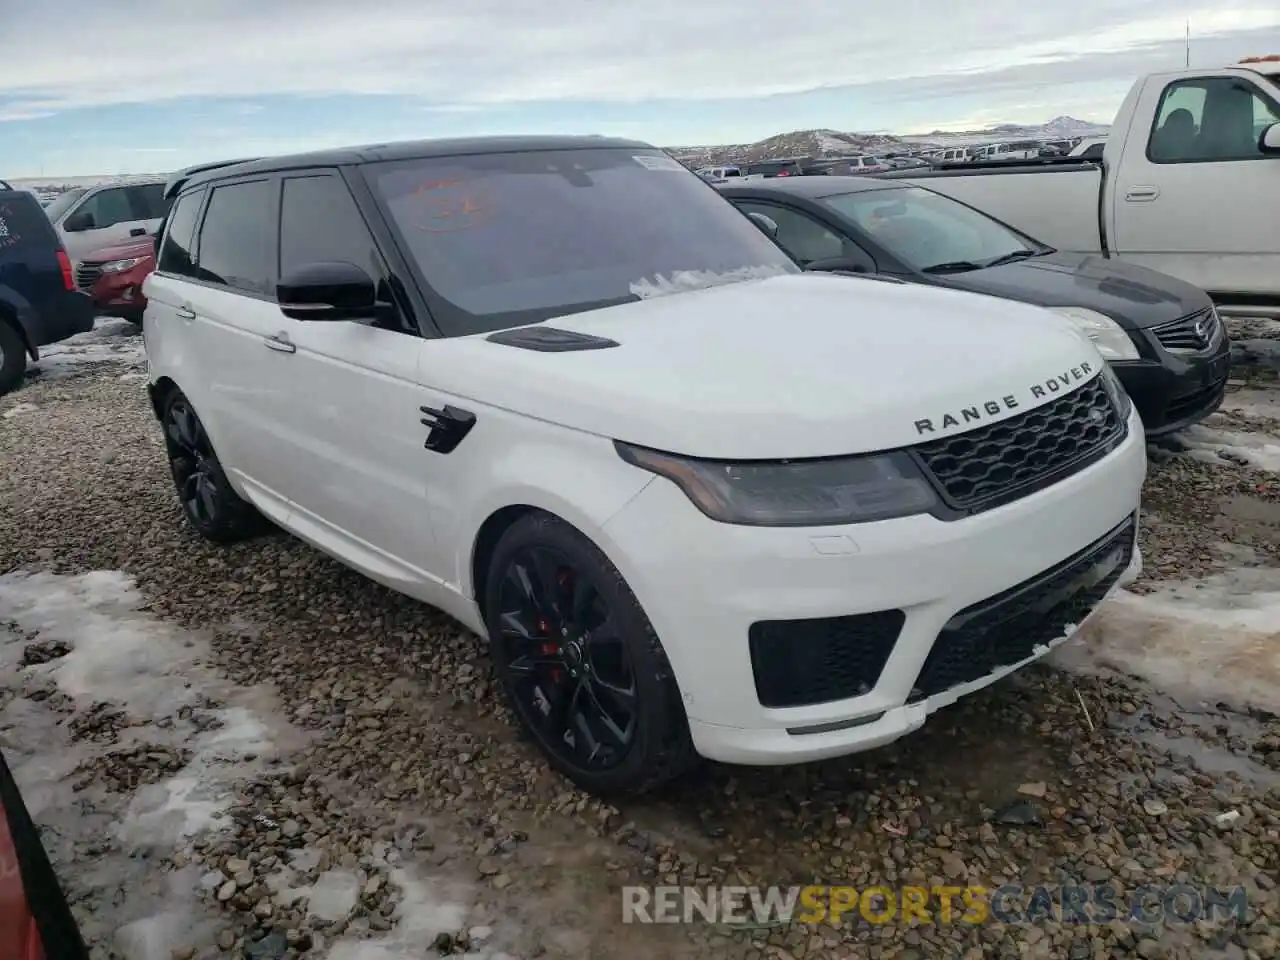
{"points": [[490, 52]]}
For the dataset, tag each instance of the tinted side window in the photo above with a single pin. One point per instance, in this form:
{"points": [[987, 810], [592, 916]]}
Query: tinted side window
{"points": [[175, 254], [1210, 120], [803, 237], [320, 222], [236, 238], [108, 207]]}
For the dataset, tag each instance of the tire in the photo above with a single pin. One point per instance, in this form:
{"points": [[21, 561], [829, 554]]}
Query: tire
{"points": [[212, 508], [658, 749], [13, 357]]}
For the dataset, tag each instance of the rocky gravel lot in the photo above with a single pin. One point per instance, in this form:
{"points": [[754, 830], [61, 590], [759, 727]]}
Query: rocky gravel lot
{"points": [[253, 752]]}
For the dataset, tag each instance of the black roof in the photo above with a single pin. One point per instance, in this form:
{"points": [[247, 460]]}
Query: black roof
{"points": [[812, 187], [415, 149]]}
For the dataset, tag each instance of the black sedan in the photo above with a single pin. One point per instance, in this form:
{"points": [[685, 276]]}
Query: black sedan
{"points": [[1162, 336]]}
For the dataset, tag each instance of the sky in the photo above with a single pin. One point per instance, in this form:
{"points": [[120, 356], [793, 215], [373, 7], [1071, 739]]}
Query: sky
{"points": [[142, 86]]}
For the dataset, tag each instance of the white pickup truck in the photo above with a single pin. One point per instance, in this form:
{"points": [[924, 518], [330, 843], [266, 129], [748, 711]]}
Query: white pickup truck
{"points": [[1189, 185]]}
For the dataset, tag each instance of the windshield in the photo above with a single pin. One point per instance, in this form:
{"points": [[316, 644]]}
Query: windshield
{"points": [[63, 202], [506, 239], [925, 229]]}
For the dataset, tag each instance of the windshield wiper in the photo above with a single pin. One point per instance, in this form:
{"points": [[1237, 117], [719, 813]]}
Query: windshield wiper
{"points": [[953, 266], [1013, 257]]}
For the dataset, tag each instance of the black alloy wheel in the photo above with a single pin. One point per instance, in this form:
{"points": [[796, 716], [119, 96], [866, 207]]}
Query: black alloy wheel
{"points": [[580, 663], [211, 506]]}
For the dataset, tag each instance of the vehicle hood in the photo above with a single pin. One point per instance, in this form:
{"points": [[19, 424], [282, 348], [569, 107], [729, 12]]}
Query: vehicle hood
{"points": [[141, 247], [1135, 297], [792, 366]]}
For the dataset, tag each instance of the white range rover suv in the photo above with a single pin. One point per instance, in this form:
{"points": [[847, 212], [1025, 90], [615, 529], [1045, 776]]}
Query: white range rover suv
{"points": [[700, 502]]}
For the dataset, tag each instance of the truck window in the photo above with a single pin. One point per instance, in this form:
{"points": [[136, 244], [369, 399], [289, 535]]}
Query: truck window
{"points": [[507, 239], [108, 207], [1210, 120]]}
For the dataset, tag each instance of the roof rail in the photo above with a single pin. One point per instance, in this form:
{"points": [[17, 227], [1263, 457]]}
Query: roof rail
{"points": [[178, 180]]}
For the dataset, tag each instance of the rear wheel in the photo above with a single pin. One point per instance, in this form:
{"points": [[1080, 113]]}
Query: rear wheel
{"points": [[580, 663], [211, 506], [13, 357]]}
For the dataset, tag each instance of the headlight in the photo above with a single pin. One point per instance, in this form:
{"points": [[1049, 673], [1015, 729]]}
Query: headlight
{"points": [[1116, 391], [120, 266], [794, 493], [1107, 335]]}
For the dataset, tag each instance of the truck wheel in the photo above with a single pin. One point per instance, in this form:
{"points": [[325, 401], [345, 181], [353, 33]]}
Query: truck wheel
{"points": [[209, 503], [13, 357], [580, 663]]}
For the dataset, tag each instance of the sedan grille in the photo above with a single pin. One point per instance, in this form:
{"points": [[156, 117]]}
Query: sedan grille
{"points": [[996, 464], [87, 275], [1193, 333]]}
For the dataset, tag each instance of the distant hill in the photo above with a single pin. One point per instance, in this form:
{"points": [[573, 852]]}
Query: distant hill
{"points": [[834, 143], [798, 143]]}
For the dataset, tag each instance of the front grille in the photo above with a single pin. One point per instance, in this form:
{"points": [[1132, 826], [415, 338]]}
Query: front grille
{"points": [[1205, 399], [1193, 333], [802, 662], [1007, 628], [992, 465], [87, 275]]}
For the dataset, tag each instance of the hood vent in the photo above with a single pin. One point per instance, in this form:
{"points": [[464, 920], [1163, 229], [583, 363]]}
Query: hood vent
{"points": [[550, 340]]}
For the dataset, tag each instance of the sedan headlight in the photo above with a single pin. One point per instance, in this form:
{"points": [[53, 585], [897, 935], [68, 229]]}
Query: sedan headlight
{"points": [[1107, 335], [120, 266], [794, 493]]}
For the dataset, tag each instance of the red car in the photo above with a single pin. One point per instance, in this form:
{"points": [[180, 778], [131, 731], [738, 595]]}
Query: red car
{"points": [[113, 277], [35, 921]]}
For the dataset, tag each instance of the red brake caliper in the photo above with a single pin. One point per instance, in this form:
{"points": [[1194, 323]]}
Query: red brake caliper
{"points": [[549, 648]]}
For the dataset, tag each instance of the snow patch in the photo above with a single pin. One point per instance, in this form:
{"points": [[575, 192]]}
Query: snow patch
{"points": [[684, 280], [429, 908], [110, 341], [1259, 404], [1216, 639], [18, 410], [155, 672], [1218, 446]]}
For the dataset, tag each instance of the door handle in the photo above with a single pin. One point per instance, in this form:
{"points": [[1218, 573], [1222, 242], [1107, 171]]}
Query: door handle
{"points": [[1141, 194], [281, 343], [186, 313]]}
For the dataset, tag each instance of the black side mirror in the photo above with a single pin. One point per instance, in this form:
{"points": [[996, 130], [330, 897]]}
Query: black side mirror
{"points": [[1269, 140], [767, 224], [327, 291], [78, 222], [837, 265]]}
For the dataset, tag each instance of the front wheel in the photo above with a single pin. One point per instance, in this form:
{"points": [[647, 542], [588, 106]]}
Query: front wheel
{"points": [[580, 663]]}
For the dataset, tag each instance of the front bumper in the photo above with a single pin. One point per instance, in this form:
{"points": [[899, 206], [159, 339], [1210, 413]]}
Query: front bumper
{"points": [[1173, 391], [120, 294], [704, 584]]}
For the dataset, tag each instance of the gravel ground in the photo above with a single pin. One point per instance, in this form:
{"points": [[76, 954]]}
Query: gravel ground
{"points": [[255, 752]]}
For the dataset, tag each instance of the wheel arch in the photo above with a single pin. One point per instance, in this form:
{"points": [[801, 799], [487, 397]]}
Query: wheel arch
{"points": [[159, 392]]}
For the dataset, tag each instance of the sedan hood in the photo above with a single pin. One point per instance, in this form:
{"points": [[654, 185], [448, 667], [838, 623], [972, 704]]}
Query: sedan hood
{"points": [[1133, 296], [795, 366]]}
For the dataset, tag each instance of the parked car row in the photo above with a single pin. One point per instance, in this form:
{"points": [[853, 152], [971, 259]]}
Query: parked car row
{"points": [[1162, 336], [1188, 184]]}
